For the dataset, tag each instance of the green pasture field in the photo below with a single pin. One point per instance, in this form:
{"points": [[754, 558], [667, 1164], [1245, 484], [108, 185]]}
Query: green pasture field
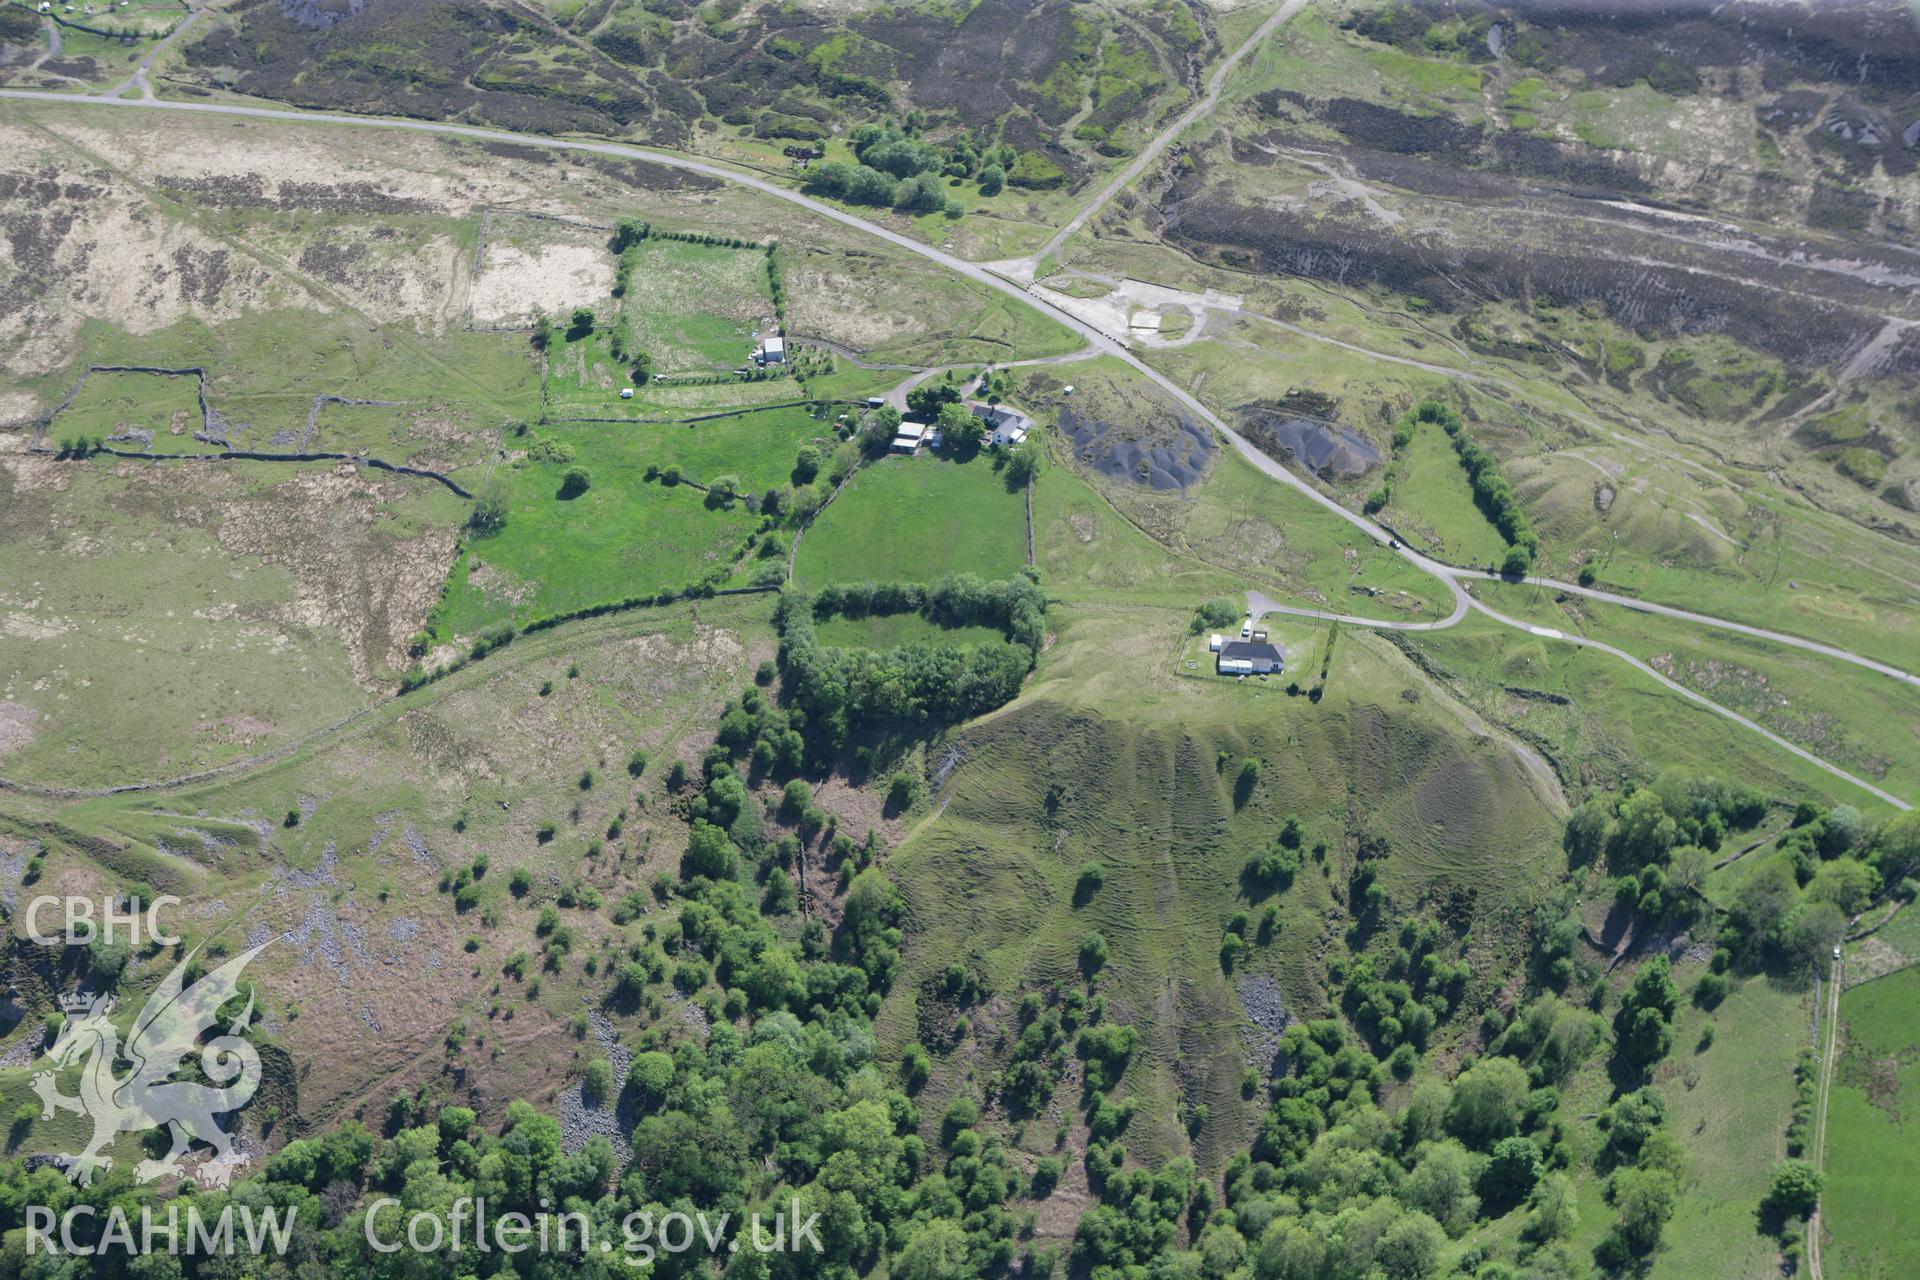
{"points": [[695, 308], [759, 447], [625, 535], [677, 402], [1873, 1163], [1433, 502], [914, 520], [889, 631], [612, 542], [584, 380], [850, 382]]}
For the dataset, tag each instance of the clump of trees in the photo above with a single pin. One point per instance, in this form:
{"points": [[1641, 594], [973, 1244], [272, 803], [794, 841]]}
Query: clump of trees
{"points": [[839, 689], [1212, 614], [896, 168]]}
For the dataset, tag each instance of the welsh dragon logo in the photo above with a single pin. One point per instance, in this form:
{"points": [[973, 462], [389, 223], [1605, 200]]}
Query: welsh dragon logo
{"points": [[166, 1033]]}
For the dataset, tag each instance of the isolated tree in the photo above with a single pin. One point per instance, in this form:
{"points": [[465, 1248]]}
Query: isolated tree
{"points": [[1245, 781], [1794, 1188], [581, 324], [992, 179], [575, 482], [489, 514], [1587, 830], [597, 1085]]}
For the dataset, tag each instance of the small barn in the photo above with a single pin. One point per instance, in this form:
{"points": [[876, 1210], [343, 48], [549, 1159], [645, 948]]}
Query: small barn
{"points": [[908, 436]]}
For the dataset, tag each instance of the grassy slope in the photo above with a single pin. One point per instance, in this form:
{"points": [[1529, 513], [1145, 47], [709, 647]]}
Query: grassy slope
{"points": [[1862, 721], [1111, 756], [162, 628], [1728, 1105], [1599, 719], [1087, 549], [468, 766]]}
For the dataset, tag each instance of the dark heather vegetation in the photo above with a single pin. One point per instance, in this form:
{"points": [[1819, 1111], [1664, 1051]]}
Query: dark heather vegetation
{"points": [[995, 80]]}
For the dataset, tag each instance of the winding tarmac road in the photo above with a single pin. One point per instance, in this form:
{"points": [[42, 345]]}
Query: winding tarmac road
{"points": [[1098, 343]]}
